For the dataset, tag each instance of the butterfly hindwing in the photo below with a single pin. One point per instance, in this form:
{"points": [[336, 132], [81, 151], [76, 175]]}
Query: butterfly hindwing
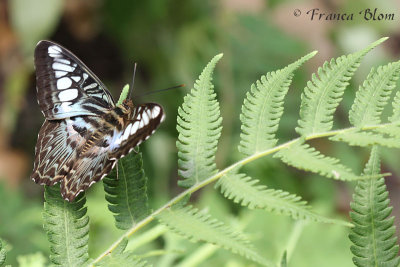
{"points": [[54, 148], [85, 170], [65, 86]]}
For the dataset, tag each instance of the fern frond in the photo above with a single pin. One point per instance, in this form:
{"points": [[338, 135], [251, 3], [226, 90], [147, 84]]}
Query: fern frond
{"points": [[67, 227], [323, 94], [3, 253], [197, 225], [244, 190], [199, 127], [127, 191], [305, 157], [263, 107], [374, 235], [373, 95], [356, 138]]}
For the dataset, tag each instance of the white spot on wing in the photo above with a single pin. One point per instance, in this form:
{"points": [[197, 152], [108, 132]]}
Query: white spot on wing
{"points": [[64, 83], [65, 107], [59, 73], [54, 51], [64, 61], [156, 111], [76, 78], [145, 118], [68, 95], [59, 66], [90, 86], [127, 132], [134, 127]]}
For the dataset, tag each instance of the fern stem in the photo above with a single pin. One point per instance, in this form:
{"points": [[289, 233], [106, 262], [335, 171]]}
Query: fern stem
{"points": [[218, 175]]}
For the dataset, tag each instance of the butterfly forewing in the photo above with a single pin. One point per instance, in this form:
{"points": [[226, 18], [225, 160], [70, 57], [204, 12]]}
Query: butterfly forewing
{"points": [[65, 86], [147, 118], [84, 133]]}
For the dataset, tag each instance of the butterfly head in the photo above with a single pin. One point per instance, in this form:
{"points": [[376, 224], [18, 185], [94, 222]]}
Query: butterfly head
{"points": [[127, 107]]}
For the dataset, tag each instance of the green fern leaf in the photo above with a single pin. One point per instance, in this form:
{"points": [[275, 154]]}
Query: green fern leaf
{"points": [[374, 94], [307, 158], [32, 260], [244, 190], [374, 235], [199, 127], [284, 259], [2, 253], [127, 191], [120, 258], [67, 227], [263, 107], [392, 130], [323, 94], [197, 226], [355, 138], [396, 108]]}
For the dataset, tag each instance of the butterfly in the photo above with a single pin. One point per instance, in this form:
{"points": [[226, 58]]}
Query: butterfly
{"points": [[85, 132]]}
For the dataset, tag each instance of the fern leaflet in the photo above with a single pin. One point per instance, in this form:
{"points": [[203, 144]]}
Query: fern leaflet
{"points": [[305, 157], [373, 236], [263, 107], [396, 108], [2, 253], [374, 94], [127, 192], [323, 94], [32, 260], [244, 190], [356, 138], [392, 130], [67, 227], [119, 257], [199, 127], [197, 225]]}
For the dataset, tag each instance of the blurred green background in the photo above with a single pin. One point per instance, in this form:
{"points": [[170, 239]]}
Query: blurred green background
{"points": [[172, 41]]}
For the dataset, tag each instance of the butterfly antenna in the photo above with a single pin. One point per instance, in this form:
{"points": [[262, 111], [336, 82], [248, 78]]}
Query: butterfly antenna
{"points": [[161, 90], [133, 81]]}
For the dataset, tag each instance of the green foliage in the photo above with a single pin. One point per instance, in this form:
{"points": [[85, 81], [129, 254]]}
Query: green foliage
{"points": [[357, 138], [262, 108], [374, 94], [32, 260], [396, 108], [305, 157], [199, 127], [127, 191], [119, 257], [244, 190], [67, 227], [123, 95], [2, 253], [374, 235], [323, 94], [199, 226]]}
